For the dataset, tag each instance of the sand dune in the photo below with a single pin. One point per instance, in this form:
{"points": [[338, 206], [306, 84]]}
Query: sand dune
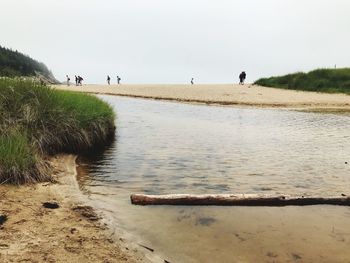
{"points": [[250, 95]]}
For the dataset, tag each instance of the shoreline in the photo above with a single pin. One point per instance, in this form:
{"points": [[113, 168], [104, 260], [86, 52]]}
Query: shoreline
{"points": [[225, 95], [74, 232]]}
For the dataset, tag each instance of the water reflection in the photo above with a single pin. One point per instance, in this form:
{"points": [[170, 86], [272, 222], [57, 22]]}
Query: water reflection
{"points": [[164, 147]]}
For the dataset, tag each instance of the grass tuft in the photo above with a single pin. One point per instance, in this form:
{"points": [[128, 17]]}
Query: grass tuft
{"points": [[18, 161]]}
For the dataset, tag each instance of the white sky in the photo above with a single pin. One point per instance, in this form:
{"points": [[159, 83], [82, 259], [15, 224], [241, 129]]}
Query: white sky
{"points": [[170, 41]]}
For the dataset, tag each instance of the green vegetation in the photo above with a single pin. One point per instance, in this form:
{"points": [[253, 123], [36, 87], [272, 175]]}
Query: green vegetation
{"points": [[37, 121], [16, 64], [320, 80], [18, 161]]}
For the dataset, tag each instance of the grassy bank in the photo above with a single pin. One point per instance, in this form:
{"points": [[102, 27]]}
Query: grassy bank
{"points": [[37, 121], [320, 80]]}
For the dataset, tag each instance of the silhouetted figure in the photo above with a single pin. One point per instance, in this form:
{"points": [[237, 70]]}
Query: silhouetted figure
{"points": [[76, 80], [192, 81], [108, 79], [68, 79], [242, 77], [118, 80], [80, 79]]}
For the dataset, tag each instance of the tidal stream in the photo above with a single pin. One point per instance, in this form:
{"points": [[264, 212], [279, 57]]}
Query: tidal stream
{"points": [[164, 148]]}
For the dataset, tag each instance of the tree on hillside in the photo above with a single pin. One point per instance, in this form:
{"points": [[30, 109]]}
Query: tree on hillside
{"points": [[14, 63]]}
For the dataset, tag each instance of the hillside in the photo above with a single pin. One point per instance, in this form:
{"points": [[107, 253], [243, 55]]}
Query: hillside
{"points": [[14, 64], [320, 80]]}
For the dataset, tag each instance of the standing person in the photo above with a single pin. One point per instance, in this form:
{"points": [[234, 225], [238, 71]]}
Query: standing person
{"points": [[68, 79], [192, 81], [108, 80], [76, 80], [118, 80], [242, 77]]}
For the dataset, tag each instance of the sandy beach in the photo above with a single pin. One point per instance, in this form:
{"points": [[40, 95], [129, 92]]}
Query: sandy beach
{"points": [[72, 232], [174, 131], [224, 94]]}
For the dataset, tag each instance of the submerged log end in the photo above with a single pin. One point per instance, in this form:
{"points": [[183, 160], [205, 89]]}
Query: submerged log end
{"points": [[137, 199]]}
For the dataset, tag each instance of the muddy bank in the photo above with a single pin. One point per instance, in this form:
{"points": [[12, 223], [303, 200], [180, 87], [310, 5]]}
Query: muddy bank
{"points": [[223, 94], [50, 222]]}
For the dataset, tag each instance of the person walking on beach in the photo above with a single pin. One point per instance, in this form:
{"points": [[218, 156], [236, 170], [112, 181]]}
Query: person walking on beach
{"points": [[80, 79], [76, 80], [118, 80], [192, 81], [108, 80], [242, 77], [68, 79]]}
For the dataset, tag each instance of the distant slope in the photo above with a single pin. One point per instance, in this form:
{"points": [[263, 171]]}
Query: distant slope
{"points": [[320, 80], [14, 63]]}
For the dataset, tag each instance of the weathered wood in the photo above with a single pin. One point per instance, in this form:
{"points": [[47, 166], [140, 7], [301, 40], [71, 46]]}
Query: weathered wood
{"points": [[237, 200]]}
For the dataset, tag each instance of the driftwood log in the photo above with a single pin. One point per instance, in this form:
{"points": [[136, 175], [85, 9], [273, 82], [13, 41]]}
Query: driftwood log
{"points": [[237, 200]]}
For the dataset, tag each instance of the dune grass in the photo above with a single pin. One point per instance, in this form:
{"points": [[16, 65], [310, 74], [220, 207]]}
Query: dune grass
{"points": [[37, 121], [18, 161], [320, 80]]}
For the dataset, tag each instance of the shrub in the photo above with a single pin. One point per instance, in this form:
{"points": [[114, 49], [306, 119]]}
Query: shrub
{"points": [[320, 80]]}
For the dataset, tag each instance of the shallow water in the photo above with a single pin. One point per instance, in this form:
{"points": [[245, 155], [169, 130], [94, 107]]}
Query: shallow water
{"points": [[164, 147]]}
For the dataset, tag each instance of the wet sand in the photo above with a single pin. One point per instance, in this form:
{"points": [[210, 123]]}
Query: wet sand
{"points": [[225, 94], [71, 233]]}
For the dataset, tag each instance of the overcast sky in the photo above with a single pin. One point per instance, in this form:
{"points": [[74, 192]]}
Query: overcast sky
{"points": [[170, 41]]}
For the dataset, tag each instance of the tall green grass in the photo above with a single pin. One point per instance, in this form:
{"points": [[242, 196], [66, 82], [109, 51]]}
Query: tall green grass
{"points": [[36, 121], [320, 80], [18, 161]]}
